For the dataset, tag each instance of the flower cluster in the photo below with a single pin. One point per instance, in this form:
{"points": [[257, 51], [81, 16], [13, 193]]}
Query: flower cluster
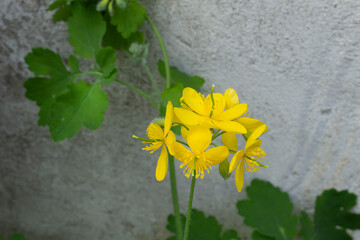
{"points": [[202, 120]]}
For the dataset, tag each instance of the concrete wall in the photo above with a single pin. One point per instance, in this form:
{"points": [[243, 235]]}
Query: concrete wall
{"points": [[296, 63]]}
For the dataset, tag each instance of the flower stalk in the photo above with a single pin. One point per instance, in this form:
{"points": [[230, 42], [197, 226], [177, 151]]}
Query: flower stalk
{"points": [[191, 196]]}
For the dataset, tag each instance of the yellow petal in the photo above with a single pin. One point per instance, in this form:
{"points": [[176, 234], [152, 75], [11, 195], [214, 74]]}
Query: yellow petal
{"points": [[229, 126], [162, 165], [169, 117], [154, 131], [219, 104], [188, 117], [251, 124], [194, 100], [199, 138], [181, 153], [252, 139], [231, 98], [234, 161], [239, 176], [232, 113], [169, 141], [153, 146], [184, 133], [216, 155], [230, 140]]}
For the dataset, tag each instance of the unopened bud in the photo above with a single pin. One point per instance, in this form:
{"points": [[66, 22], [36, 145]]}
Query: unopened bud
{"points": [[101, 6], [111, 8], [159, 121], [224, 169]]}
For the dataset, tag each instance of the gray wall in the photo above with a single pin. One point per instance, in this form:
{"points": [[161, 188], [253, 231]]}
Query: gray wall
{"points": [[296, 63]]}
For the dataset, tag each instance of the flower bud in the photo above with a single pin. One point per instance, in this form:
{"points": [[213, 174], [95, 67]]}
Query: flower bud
{"points": [[111, 8], [159, 121], [139, 51], [224, 169], [101, 6]]}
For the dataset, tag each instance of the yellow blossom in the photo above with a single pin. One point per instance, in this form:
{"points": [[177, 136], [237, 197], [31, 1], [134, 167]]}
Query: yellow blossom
{"points": [[209, 111], [229, 139], [250, 157], [162, 138], [199, 139]]}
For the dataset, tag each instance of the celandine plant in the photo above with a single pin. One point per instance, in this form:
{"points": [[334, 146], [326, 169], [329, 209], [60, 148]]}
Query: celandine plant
{"points": [[202, 120], [189, 128], [70, 97]]}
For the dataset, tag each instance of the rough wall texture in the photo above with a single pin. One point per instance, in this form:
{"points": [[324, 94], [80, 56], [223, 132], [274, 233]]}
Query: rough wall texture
{"points": [[296, 63]]}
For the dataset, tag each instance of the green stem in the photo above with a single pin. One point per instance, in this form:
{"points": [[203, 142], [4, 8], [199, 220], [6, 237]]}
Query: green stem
{"points": [[217, 135], [183, 143], [188, 217], [152, 79], [175, 198], [163, 49], [135, 89]]}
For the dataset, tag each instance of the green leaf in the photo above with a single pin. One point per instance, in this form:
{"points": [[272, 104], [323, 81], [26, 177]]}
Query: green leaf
{"points": [[84, 104], [332, 216], [113, 38], [62, 14], [194, 82], [128, 19], [224, 169], [201, 228], [45, 112], [86, 29], [172, 94], [306, 231], [106, 58], [258, 236], [17, 237], [111, 78], [44, 62], [269, 210], [56, 4], [230, 235], [74, 63]]}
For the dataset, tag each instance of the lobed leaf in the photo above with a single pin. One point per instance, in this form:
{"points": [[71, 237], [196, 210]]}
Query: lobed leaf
{"points": [[62, 14], [86, 28], [177, 76], [84, 104], [112, 38], [269, 210], [201, 228], [106, 58], [172, 94], [128, 19], [57, 4], [44, 62], [74, 63], [332, 216], [307, 231]]}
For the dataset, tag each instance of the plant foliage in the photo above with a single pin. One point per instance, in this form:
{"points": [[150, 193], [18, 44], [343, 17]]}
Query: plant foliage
{"points": [[269, 211], [202, 228]]}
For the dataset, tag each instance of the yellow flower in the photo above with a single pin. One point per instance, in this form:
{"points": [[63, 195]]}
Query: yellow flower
{"points": [[199, 139], [160, 139], [250, 157], [209, 112], [251, 124]]}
